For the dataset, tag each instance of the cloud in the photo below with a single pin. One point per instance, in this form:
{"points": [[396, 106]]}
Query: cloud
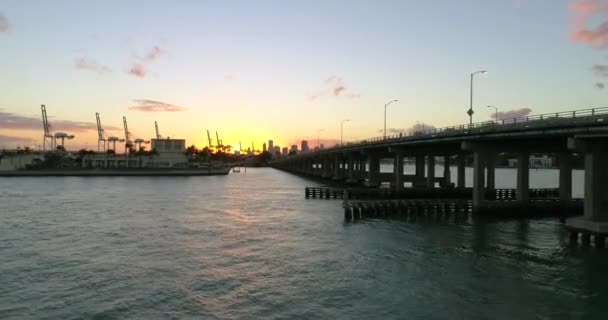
{"points": [[338, 90], [600, 70], [153, 54], [392, 131], [14, 121], [91, 65], [334, 86], [137, 70], [600, 85], [4, 25], [420, 127], [139, 66], [147, 105], [585, 13], [10, 142], [515, 113]]}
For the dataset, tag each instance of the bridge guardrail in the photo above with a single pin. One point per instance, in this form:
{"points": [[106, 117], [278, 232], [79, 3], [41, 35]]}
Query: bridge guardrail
{"points": [[478, 127]]}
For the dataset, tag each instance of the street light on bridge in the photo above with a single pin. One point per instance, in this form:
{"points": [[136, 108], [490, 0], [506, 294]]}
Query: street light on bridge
{"points": [[470, 112], [386, 105], [342, 131]]}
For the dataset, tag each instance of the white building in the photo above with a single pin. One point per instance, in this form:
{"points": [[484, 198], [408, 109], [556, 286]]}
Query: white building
{"points": [[170, 154]]}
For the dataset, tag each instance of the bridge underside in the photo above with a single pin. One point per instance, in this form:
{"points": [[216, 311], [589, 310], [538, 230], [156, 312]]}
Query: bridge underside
{"points": [[360, 164]]}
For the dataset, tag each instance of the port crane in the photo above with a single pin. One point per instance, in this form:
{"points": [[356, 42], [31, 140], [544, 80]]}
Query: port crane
{"points": [[158, 137], [100, 135], [48, 136]]}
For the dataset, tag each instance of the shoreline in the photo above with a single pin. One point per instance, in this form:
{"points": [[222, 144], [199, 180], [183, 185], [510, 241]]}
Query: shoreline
{"points": [[116, 173]]}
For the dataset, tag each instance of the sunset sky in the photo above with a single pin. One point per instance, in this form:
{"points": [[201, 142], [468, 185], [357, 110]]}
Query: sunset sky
{"points": [[282, 70]]}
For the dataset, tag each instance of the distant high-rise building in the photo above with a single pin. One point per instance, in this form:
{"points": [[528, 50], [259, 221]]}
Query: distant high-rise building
{"points": [[294, 148], [276, 150], [270, 145], [285, 151], [304, 146], [264, 147], [322, 146]]}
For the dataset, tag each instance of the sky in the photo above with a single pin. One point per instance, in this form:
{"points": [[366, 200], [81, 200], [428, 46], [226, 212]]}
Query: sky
{"points": [[291, 70]]}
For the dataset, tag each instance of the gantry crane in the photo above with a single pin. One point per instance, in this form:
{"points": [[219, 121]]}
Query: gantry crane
{"points": [[100, 135], [48, 136], [157, 133]]}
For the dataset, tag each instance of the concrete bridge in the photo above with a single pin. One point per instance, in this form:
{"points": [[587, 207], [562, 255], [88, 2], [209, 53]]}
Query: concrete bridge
{"points": [[563, 134]]}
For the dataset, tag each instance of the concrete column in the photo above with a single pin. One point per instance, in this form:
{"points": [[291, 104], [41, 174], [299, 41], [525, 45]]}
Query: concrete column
{"points": [[461, 171], [398, 171], [337, 167], [523, 177], [479, 192], [596, 185], [374, 171], [491, 168], [565, 176], [419, 171], [430, 179], [446, 172], [351, 168]]}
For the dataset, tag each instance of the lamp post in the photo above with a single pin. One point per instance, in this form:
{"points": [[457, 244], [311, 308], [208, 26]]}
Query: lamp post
{"points": [[496, 114], [386, 105], [342, 131], [470, 112], [319, 138]]}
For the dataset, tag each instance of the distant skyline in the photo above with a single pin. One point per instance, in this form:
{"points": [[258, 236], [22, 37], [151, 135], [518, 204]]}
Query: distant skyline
{"points": [[260, 70]]}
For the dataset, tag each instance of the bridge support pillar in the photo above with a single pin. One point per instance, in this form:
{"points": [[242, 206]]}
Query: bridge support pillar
{"points": [[447, 179], [337, 169], [565, 176], [491, 169], [479, 191], [523, 177], [595, 218], [430, 179], [351, 169], [460, 183], [373, 174], [419, 181], [398, 171]]}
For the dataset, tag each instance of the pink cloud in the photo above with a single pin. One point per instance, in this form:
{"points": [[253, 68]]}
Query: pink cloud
{"points": [[91, 65], [339, 89], [334, 86], [153, 54], [147, 105], [4, 25], [137, 70], [584, 12]]}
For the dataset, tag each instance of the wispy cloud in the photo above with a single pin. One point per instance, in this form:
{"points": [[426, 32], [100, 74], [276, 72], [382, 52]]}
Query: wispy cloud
{"points": [[137, 70], [515, 113], [153, 54], [91, 65], [14, 141], [600, 85], [4, 25], [140, 65], [587, 12], [9, 120], [334, 86], [600, 70], [147, 105]]}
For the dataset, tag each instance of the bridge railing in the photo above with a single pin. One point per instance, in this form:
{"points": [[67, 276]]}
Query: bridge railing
{"points": [[479, 127]]}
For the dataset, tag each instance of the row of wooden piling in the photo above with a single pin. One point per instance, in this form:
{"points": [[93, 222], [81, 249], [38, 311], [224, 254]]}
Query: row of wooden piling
{"points": [[355, 209], [323, 193]]}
